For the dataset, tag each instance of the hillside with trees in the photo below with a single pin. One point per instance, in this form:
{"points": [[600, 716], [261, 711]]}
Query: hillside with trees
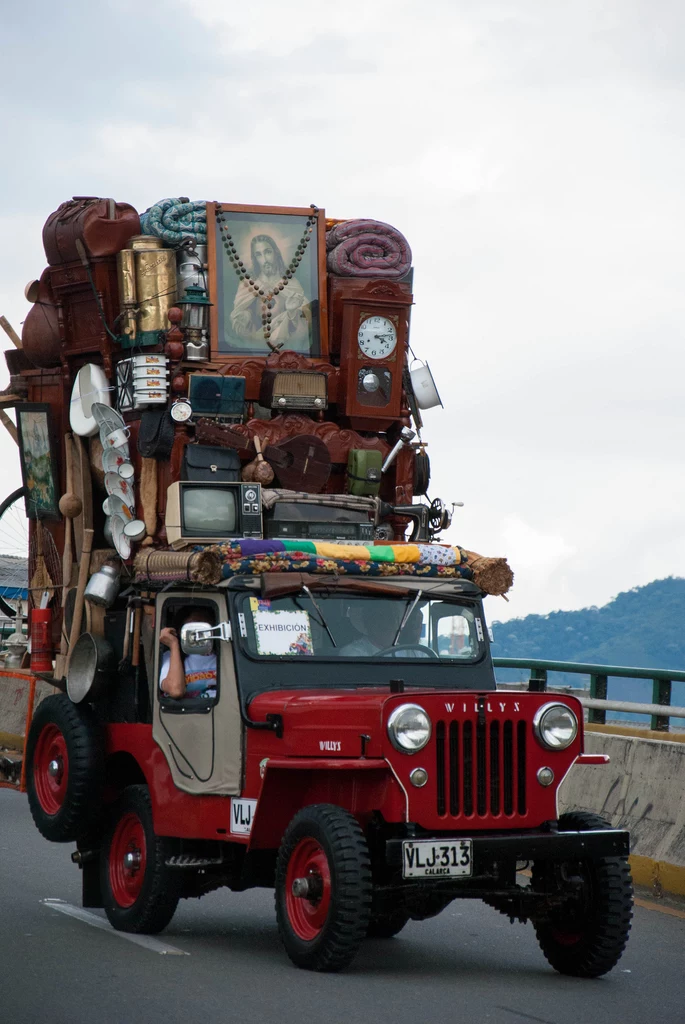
{"points": [[642, 628]]}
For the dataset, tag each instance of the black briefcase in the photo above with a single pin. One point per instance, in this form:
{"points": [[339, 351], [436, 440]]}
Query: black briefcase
{"points": [[207, 463]]}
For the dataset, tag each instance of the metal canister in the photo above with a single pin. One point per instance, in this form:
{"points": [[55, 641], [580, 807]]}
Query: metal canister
{"points": [[155, 283], [190, 269], [103, 586], [126, 276], [145, 242]]}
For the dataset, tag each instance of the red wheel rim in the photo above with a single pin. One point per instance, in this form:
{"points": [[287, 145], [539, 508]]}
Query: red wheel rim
{"points": [[127, 859], [51, 769], [308, 915]]}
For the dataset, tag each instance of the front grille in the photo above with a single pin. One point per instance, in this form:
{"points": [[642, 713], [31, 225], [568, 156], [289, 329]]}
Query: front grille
{"points": [[481, 768]]}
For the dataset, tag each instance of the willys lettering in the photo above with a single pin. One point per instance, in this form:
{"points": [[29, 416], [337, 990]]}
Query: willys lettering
{"points": [[500, 705], [332, 745]]}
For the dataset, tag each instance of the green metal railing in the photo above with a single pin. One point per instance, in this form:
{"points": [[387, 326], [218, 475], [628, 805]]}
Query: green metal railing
{"points": [[599, 675]]}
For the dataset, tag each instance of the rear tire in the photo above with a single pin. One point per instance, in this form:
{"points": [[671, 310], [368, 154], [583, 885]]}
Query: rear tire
{"points": [[325, 848], [586, 937], [140, 893], [64, 769]]}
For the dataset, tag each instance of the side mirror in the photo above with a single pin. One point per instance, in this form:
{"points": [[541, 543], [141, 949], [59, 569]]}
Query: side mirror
{"points": [[198, 637]]}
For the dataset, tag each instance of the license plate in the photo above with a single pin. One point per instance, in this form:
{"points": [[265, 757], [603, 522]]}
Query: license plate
{"points": [[424, 858]]}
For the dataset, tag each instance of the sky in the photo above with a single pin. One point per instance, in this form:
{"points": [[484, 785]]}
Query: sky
{"points": [[531, 151]]}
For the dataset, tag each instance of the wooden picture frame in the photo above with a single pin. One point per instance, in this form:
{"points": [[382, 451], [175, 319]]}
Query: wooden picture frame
{"points": [[265, 240], [38, 457]]}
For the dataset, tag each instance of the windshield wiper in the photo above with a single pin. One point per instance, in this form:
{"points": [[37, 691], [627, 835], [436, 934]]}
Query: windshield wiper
{"points": [[321, 614], [408, 610]]}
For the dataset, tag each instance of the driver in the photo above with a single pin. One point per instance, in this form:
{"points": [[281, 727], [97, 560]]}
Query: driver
{"points": [[192, 675], [376, 626]]}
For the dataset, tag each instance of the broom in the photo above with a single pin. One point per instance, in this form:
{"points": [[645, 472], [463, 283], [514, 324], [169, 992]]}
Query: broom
{"points": [[41, 580]]}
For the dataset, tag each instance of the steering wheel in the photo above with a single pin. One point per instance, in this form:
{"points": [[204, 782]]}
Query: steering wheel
{"points": [[389, 651]]}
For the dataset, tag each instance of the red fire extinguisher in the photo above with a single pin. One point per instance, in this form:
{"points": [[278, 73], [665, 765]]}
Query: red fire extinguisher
{"points": [[41, 644]]}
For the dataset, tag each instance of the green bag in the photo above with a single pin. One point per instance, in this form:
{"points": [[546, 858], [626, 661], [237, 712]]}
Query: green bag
{"points": [[364, 472]]}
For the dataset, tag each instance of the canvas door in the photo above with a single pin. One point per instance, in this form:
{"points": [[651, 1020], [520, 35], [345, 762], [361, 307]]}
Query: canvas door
{"points": [[202, 748]]}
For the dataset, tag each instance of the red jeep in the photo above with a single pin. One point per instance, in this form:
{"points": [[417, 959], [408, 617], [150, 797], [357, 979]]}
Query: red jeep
{"points": [[357, 757]]}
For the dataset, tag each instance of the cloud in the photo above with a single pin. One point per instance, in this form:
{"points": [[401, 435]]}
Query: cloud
{"points": [[531, 153]]}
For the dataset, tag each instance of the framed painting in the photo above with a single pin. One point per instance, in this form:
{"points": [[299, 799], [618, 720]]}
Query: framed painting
{"points": [[38, 461], [267, 274]]}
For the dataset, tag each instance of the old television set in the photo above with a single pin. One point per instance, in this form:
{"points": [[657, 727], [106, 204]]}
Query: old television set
{"points": [[198, 512]]}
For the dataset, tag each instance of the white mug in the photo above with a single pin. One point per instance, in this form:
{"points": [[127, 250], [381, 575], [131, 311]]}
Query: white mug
{"points": [[117, 438], [135, 530], [126, 471]]}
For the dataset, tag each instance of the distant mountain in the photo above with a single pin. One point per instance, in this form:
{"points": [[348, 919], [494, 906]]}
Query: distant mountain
{"points": [[641, 628]]}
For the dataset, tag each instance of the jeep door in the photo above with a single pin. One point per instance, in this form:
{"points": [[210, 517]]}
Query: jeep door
{"points": [[200, 738]]}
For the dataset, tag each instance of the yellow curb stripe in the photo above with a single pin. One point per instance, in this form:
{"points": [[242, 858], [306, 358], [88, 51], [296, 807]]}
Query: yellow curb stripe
{"points": [[658, 874], [648, 905], [640, 734]]}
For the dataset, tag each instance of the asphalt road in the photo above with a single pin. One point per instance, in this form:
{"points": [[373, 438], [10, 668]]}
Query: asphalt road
{"points": [[469, 965]]}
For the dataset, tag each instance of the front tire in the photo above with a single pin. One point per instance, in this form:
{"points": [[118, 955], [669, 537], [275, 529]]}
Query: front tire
{"points": [[324, 917], [587, 935], [387, 926], [140, 893]]}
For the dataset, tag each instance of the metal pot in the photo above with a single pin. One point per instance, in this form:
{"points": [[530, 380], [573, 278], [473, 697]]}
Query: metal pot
{"points": [[103, 586], [422, 382], [92, 668]]}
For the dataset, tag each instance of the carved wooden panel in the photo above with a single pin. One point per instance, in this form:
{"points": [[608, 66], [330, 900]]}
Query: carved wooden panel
{"points": [[252, 367]]}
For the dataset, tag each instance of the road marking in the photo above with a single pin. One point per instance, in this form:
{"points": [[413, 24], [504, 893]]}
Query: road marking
{"points": [[147, 941], [648, 905]]}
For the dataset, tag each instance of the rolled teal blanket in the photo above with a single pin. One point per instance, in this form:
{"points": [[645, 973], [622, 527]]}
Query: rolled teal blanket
{"points": [[175, 219]]}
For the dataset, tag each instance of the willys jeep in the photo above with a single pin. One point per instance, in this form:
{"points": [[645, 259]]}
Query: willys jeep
{"points": [[357, 757]]}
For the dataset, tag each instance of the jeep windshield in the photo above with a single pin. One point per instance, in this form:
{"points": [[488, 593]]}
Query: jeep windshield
{"points": [[362, 638]]}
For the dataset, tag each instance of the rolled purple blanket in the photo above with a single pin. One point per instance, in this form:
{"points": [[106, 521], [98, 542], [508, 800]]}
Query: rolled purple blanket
{"points": [[367, 248]]}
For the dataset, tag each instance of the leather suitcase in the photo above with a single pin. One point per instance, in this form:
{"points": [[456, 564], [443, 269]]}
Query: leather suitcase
{"points": [[206, 463], [103, 225]]}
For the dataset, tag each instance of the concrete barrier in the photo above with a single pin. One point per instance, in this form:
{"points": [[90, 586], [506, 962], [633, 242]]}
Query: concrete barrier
{"points": [[643, 790]]}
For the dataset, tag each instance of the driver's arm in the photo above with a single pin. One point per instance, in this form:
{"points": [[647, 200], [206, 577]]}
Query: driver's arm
{"points": [[173, 680]]}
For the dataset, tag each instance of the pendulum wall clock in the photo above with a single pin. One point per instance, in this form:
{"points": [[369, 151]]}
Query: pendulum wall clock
{"points": [[373, 321]]}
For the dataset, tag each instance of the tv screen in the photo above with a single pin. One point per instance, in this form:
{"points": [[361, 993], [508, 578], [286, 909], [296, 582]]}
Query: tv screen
{"points": [[209, 511]]}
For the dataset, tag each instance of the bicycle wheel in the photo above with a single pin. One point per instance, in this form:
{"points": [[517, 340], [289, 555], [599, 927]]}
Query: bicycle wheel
{"points": [[14, 552]]}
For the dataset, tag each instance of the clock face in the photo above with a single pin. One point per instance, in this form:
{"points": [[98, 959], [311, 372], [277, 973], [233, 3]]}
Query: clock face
{"points": [[181, 411], [377, 337]]}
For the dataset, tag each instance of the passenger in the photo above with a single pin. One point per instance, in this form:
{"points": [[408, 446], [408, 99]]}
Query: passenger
{"points": [[193, 675], [377, 627]]}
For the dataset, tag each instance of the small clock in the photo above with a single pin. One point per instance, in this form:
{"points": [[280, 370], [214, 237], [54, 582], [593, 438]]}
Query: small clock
{"points": [[377, 337], [181, 410]]}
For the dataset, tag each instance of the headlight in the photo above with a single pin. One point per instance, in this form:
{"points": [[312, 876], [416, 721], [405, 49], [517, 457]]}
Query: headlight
{"points": [[555, 726], [409, 728]]}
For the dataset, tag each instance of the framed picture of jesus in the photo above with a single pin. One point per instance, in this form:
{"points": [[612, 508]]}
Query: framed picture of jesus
{"points": [[267, 273]]}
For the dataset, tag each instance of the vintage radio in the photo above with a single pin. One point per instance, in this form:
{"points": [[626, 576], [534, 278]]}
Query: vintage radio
{"points": [[373, 319], [293, 389], [294, 520], [199, 512]]}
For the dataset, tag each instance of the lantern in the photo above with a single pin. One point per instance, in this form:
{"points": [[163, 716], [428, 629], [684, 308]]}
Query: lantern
{"points": [[195, 323]]}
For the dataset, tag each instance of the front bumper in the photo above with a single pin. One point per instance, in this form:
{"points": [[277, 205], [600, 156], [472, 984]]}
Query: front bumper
{"points": [[558, 846]]}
